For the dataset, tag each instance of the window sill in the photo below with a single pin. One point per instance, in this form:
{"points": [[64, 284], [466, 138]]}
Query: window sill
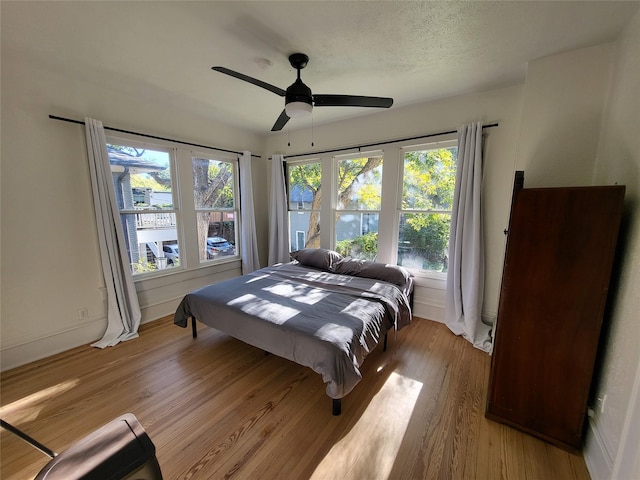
{"points": [[430, 279], [178, 275]]}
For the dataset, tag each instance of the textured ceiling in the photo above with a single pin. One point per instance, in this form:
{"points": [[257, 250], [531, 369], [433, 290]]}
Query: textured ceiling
{"points": [[411, 51]]}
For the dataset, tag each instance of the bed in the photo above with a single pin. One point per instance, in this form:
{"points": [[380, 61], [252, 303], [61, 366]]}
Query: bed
{"points": [[321, 310]]}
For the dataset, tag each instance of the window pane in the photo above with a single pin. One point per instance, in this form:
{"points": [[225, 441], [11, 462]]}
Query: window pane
{"points": [[305, 194], [429, 179], [141, 178], [152, 241], [142, 183], [220, 241], [212, 183], [423, 241], [360, 183], [304, 186], [304, 228], [357, 234], [213, 193]]}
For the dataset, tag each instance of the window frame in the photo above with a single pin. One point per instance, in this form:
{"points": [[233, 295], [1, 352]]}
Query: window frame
{"points": [[392, 184], [335, 211], [183, 202], [235, 168], [428, 274], [292, 229], [136, 143]]}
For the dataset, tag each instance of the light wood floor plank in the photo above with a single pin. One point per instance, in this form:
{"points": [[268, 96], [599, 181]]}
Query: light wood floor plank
{"points": [[217, 408]]}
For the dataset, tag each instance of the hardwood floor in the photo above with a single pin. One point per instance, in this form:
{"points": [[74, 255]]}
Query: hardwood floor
{"points": [[217, 408]]}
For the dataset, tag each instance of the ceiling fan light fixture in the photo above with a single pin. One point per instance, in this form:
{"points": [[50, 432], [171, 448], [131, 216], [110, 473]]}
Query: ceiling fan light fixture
{"points": [[298, 109]]}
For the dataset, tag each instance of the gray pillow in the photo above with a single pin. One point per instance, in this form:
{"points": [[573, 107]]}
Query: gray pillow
{"points": [[317, 258], [377, 270]]}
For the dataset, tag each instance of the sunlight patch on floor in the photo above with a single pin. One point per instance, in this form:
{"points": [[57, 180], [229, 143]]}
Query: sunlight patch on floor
{"points": [[27, 408], [383, 424]]}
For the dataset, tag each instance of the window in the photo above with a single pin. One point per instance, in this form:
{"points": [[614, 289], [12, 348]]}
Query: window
{"points": [[305, 195], [162, 234], [214, 194], [428, 183], [358, 204], [336, 202], [144, 192]]}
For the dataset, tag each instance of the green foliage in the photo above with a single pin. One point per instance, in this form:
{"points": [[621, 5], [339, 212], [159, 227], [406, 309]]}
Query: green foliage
{"points": [[364, 246], [147, 181], [429, 179], [220, 177], [359, 183], [307, 176], [142, 266], [429, 183], [426, 236]]}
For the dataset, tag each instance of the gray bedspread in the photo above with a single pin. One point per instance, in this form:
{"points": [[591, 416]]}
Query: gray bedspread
{"points": [[321, 320]]}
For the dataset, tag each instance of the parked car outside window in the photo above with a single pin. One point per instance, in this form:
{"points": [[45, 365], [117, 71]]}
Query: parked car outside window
{"points": [[171, 252], [218, 246]]}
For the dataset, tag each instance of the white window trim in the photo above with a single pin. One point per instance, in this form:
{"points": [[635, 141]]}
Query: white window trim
{"points": [[392, 183], [183, 203], [233, 160], [423, 277]]}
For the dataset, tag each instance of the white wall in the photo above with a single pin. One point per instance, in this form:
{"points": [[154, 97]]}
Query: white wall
{"points": [[614, 438], [50, 262], [561, 118]]}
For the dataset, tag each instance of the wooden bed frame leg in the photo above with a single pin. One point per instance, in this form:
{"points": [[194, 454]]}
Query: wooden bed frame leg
{"points": [[337, 406], [384, 346], [193, 327]]}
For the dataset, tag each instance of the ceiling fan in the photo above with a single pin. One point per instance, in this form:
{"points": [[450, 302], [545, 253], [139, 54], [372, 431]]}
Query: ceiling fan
{"points": [[299, 100]]}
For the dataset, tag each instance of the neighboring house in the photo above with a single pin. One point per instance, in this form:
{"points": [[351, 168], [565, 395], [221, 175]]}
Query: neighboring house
{"points": [[300, 202], [145, 233]]}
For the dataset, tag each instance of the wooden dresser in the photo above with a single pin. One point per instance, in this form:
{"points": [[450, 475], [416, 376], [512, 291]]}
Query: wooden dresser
{"points": [[560, 249]]}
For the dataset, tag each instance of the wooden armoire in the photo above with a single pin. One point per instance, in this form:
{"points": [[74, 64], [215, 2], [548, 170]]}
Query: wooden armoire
{"points": [[560, 250]]}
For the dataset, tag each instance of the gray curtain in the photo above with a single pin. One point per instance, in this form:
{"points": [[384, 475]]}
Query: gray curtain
{"points": [[278, 214], [465, 276], [123, 310], [248, 240]]}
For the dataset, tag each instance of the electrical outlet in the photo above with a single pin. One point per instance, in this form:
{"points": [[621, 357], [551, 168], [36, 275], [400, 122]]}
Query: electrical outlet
{"points": [[83, 314]]}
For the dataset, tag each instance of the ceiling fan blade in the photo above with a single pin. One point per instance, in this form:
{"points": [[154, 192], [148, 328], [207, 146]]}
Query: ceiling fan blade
{"points": [[254, 81], [351, 101], [280, 122]]}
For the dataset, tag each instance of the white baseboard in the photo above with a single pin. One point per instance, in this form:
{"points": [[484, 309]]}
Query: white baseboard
{"points": [[598, 460], [429, 312], [36, 349], [158, 310]]}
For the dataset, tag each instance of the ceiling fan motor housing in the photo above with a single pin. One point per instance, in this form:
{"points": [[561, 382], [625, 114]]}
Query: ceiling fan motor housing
{"points": [[298, 92]]}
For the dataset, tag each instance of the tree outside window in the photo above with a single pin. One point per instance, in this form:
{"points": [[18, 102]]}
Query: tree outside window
{"points": [[359, 188], [425, 216], [214, 200], [305, 198], [358, 204]]}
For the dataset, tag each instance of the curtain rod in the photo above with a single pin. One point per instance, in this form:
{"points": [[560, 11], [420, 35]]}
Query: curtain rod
{"points": [[367, 145], [79, 122]]}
